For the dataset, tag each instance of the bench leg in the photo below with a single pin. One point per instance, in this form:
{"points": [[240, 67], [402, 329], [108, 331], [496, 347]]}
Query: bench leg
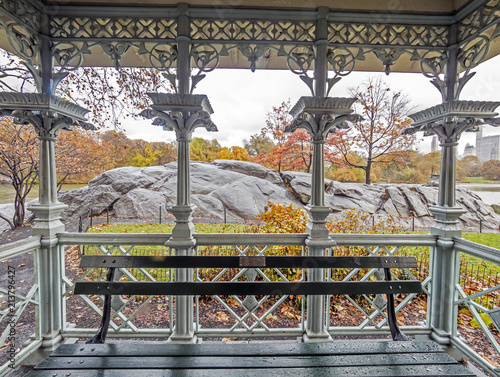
{"points": [[100, 337], [391, 313]]}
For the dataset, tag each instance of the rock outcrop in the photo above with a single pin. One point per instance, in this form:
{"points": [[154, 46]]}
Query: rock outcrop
{"points": [[244, 188]]}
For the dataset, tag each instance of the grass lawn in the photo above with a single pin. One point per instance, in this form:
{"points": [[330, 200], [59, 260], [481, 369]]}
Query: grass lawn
{"points": [[167, 228], [476, 180]]}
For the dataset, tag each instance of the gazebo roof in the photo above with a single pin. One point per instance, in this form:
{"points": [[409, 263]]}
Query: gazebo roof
{"points": [[362, 34], [439, 6]]}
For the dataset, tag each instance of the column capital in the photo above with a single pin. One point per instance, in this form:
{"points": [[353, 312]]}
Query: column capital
{"points": [[320, 116], [452, 118], [182, 113]]}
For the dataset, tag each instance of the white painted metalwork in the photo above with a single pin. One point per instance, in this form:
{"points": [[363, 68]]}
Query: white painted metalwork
{"points": [[246, 323], [10, 316], [471, 302]]}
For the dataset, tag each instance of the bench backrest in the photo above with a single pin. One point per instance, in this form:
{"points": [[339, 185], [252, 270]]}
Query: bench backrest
{"points": [[245, 287]]}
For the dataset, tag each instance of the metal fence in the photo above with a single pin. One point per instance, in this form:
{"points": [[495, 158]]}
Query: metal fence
{"points": [[19, 305]]}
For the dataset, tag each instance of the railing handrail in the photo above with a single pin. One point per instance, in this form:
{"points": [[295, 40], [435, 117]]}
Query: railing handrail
{"points": [[488, 253], [215, 239], [352, 239], [19, 247]]}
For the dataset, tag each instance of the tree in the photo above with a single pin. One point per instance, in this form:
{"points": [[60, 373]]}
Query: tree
{"points": [[379, 135], [258, 144], [204, 150], [119, 146], [491, 170], [291, 151], [80, 155], [471, 165], [234, 153], [110, 94], [152, 154], [19, 163]]}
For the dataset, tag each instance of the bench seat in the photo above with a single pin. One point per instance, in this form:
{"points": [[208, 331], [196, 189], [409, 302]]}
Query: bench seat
{"points": [[340, 358]]}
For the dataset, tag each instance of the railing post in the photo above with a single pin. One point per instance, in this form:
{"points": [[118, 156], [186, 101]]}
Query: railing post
{"points": [[182, 112], [319, 115], [47, 114], [448, 121]]}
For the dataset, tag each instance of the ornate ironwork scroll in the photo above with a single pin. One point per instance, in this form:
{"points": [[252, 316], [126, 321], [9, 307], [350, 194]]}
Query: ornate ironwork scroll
{"points": [[23, 12]]}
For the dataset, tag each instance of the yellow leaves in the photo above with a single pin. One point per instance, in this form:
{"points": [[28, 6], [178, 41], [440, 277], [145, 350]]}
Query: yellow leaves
{"points": [[288, 312], [223, 317], [282, 218]]}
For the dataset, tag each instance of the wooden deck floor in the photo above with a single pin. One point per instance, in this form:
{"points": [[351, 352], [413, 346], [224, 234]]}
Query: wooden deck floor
{"points": [[340, 358]]}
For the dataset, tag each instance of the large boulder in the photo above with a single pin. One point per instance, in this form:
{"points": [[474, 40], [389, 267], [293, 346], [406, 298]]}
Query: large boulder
{"points": [[249, 168], [242, 189], [248, 197], [82, 200], [141, 203]]}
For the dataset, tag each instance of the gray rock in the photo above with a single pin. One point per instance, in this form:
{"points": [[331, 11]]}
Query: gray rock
{"points": [[244, 189], [390, 209], [207, 207], [418, 207], [141, 203], [249, 168], [398, 200], [82, 200], [428, 194], [248, 197], [339, 203], [300, 183]]}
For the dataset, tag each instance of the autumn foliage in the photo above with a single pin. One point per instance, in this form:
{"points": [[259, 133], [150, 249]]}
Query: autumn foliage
{"points": [[290, 150], [378, 138], [18, 164]]}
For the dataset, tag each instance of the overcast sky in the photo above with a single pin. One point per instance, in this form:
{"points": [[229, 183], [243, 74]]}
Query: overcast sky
{"points": [[241, 99]]}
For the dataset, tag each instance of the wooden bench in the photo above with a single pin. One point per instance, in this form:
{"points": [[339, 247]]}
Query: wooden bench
{"points": [[110, 287], [264, 359]]}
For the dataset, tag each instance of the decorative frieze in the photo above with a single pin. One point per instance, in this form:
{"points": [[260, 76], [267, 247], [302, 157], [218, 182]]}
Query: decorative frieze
{"points": [[388, 35], [124, 28]]}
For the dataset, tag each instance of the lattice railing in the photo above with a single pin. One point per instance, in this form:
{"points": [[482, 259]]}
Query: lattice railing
{"points": [[476, 331], [19, 326], [131, 315], [231, 317], [365, 314], [242, 316]]}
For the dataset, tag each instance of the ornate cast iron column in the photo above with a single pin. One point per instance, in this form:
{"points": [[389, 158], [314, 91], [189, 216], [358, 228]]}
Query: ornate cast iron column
{"points": [[319, 116], [182, 113], [448, 121], [48, 114]]}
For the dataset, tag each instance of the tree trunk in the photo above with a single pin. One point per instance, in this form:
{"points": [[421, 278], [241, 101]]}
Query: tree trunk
{"points": [[368, 170], [19, 212]]}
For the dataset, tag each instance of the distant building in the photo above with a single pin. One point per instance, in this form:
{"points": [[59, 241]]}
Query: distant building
{"points": [[434, 144], [487, 147], [469, 150]]}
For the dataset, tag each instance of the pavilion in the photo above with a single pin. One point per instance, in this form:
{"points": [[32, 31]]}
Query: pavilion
{"points": [[321, 41]]}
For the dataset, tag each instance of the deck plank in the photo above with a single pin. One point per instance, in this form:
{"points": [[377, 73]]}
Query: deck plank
{"points": [[208, 362], [340, 358], [372, 371], [253, 349]]}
